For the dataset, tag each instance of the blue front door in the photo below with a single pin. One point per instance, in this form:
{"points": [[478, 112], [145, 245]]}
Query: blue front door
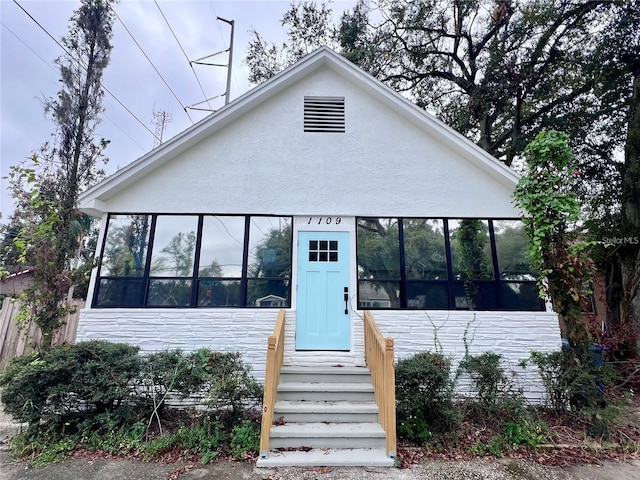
{"points": [[322, 315]]}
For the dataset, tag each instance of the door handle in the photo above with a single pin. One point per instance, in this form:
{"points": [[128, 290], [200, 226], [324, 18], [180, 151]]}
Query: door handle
{"points": [[346, 300]]}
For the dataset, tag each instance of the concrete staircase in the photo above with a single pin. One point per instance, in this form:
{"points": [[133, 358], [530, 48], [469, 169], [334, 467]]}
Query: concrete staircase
{"points": [[326, 417]]}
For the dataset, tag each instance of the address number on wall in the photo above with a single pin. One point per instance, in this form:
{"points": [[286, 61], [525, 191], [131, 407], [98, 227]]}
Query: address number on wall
{"points": [[324, 221]]}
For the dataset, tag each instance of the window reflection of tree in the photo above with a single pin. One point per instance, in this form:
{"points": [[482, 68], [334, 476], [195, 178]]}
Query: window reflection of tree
{"points": [[379, 256], [126, 244], [269, 270]]}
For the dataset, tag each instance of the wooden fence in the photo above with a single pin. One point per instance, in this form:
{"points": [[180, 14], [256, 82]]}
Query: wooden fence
{"points": [[17, 340]]}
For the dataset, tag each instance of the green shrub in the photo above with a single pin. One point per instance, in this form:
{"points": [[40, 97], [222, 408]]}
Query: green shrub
{"points": [[414, 429], [424, 393], [487, 376], [223, 379], [495, 396], [59, 388], [43, 450], [576, 379], [105, 396], [572, 377]]}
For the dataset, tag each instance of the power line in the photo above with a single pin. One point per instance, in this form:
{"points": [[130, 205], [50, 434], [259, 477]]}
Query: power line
{"points": [[84, 67], [183, 52], [32, 50], [152, 65]]}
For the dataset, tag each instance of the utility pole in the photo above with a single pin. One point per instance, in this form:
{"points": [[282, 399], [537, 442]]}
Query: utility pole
{"points": [[228, 92], [200, 61]]}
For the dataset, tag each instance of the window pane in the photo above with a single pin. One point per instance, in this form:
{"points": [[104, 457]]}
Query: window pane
{"points": [[269, 248], [169, 292], [219, 293], [268, 293], [377, 248], [174, 246], [378, 294], [520, 296], [126, 243], [470, 249], [512, 244], [119, 292], [424, 251], [474, 295], [427, 295], [222, 247]]}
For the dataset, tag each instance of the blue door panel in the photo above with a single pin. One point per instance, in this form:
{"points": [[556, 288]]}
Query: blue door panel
{"points": [[323, 273]]}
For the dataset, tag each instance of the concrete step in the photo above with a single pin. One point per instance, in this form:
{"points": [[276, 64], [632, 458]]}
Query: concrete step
{"points": [[353, 457], [327, 435], [325, 374], [327, 412], [306, 391]]}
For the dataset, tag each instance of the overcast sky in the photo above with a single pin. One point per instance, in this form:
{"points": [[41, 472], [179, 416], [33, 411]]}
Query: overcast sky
{"points": [[28, 72]]}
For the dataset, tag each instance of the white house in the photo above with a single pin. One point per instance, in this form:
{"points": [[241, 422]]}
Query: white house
{"points": [[325, 193]]}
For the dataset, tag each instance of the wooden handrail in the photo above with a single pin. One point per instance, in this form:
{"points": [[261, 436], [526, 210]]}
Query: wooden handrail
{"points": [[379, 356], [275, 357]]}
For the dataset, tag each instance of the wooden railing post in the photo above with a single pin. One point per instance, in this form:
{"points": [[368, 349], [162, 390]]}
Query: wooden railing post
{"points": [[379, 355], [275, 358], [390, 396]]}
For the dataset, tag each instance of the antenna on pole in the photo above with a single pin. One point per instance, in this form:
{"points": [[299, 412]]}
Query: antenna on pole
{"points": [[201, 61], [162, 118]]}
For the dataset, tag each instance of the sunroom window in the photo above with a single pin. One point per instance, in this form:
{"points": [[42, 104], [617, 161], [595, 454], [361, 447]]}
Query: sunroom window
{"points": [[423, 263], [195, 261]]}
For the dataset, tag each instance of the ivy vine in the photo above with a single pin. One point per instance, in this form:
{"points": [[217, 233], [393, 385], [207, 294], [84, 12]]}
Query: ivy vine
{"points": [[551, 216]]}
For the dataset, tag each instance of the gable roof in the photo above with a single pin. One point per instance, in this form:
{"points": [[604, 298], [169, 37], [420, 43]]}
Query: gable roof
{"points": [[93, 201]]}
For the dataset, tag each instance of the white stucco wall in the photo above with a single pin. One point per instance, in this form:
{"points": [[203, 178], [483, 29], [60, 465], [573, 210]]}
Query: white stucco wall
{"points": [[384, 165], [512, 334]]}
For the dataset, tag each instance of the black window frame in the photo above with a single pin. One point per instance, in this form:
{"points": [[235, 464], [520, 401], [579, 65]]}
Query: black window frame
{"points": [[146, 278], [495, 285]]}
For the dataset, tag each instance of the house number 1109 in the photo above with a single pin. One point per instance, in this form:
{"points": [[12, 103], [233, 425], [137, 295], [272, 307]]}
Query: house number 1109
{"points": [[326, 220]]}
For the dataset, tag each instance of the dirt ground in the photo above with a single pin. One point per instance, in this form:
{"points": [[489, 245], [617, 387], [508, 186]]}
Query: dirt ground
{"points": [[481, 469]]}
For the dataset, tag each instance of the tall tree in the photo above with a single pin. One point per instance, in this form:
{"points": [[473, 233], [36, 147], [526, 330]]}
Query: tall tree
{"points": [[502, 71], [309, 27], [46, 187], [619, 221]]}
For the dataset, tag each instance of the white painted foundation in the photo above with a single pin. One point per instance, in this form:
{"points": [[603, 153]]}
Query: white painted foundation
{"points": [[511, 334]]}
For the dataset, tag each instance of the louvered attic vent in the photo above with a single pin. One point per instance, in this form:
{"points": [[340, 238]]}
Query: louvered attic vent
{"points": [[324, 114]]}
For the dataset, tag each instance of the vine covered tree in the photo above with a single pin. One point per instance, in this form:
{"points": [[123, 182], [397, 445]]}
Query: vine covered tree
{"points": [[46, 187], [547, 196]]}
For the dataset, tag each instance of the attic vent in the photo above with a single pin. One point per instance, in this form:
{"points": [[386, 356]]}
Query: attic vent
{"points": [[324, 114]]}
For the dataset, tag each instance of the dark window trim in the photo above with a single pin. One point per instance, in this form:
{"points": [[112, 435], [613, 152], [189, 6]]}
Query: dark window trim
{"points": [[194, 278], [451, 282]]}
